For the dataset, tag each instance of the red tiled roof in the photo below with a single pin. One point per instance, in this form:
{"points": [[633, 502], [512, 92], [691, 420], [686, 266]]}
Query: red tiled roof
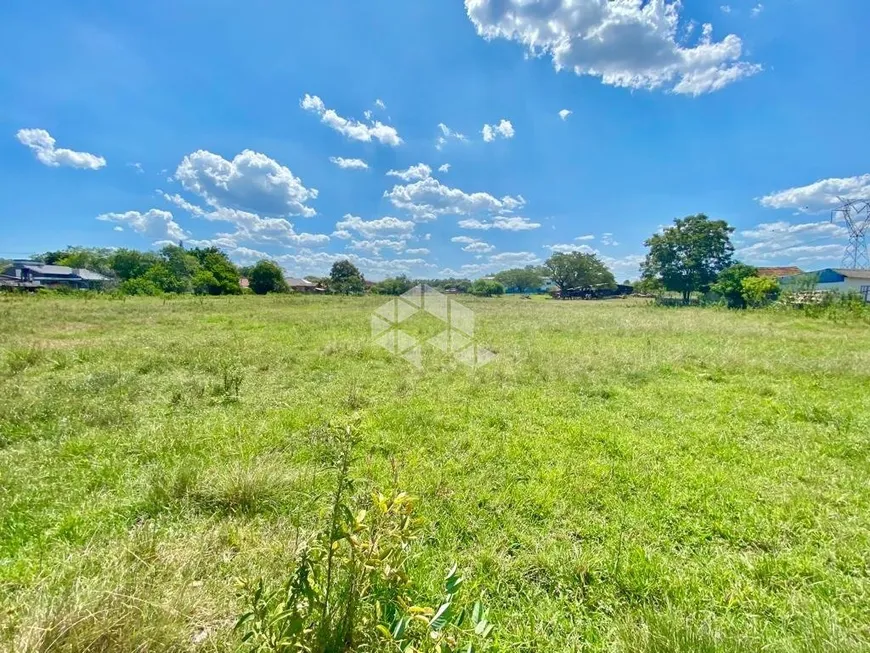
{"points": [[779, 272]]}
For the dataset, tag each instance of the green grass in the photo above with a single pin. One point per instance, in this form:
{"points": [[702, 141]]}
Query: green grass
{"points": [[621, 478]]}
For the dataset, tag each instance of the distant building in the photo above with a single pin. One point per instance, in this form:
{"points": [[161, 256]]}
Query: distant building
{"points": [[787, 271], [831, 279], [35, 274], [303, 285]]}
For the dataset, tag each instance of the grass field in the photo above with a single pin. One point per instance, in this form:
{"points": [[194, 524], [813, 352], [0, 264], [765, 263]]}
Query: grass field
{"points": [[623, 477]]}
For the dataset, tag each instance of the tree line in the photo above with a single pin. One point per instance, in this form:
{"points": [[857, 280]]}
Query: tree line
{"points": [[694, 255]]}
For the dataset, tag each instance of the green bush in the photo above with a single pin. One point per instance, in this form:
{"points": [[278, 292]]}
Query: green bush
{"points": [[729, 284], [393, 286], [203, 282], [486, 288], [140, 286], [759, 291]]}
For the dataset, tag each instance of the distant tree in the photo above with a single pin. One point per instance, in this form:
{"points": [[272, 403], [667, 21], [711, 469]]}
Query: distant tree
{"points": [[183, 263], [486, 288], [462, 285], [578, 270], [758, 291], [527, 279], [729, 284], [95, 259], [345, 278], [162, 276], [226, 274], [266, 277], [648, 286], [688, 256], [203, 282], [130, 263], [50, 258], [394, 286]]}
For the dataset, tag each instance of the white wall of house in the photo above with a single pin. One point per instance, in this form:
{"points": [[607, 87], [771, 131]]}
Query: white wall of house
{"points": [[856, 285]]}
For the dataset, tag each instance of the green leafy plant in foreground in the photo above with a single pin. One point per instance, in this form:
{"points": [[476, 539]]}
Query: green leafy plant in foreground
{"points": [[350, 589]]}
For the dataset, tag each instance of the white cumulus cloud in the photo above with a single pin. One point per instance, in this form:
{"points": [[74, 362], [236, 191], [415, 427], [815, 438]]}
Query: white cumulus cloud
{"points": [[503, 223], [353, 129], [43, 144], [473, 245], [791, 243], [504, 129], [428, 198], [414, 173], [377, 245], [372, 228], [249, 227], [154, 223], [444, 167], [250, 182], [820, 195], [626, 43], [349, 164]]}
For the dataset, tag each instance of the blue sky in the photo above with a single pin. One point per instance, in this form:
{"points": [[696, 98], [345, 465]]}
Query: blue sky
{"points": [[246, 125]]}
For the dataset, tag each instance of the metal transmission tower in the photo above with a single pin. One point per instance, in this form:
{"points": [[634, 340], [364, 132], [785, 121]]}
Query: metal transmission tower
{"points": [[856, 215]]}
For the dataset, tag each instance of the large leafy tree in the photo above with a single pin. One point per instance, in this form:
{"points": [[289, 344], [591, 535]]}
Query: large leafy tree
{"points": [[688, 256], [527, 279], [578, 270], [266, 277], [345, 278]]}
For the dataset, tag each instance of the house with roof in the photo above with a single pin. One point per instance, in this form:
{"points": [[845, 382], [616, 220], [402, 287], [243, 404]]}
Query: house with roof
{"points": [[303, 285], [842, 280], [779, 272], [31, 275]]}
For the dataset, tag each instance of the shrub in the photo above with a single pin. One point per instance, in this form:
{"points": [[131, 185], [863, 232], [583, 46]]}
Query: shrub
{"points": [[393, 286], [486, 288], [140, 286], [729, 284], [203, 282], [759, 291]]}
